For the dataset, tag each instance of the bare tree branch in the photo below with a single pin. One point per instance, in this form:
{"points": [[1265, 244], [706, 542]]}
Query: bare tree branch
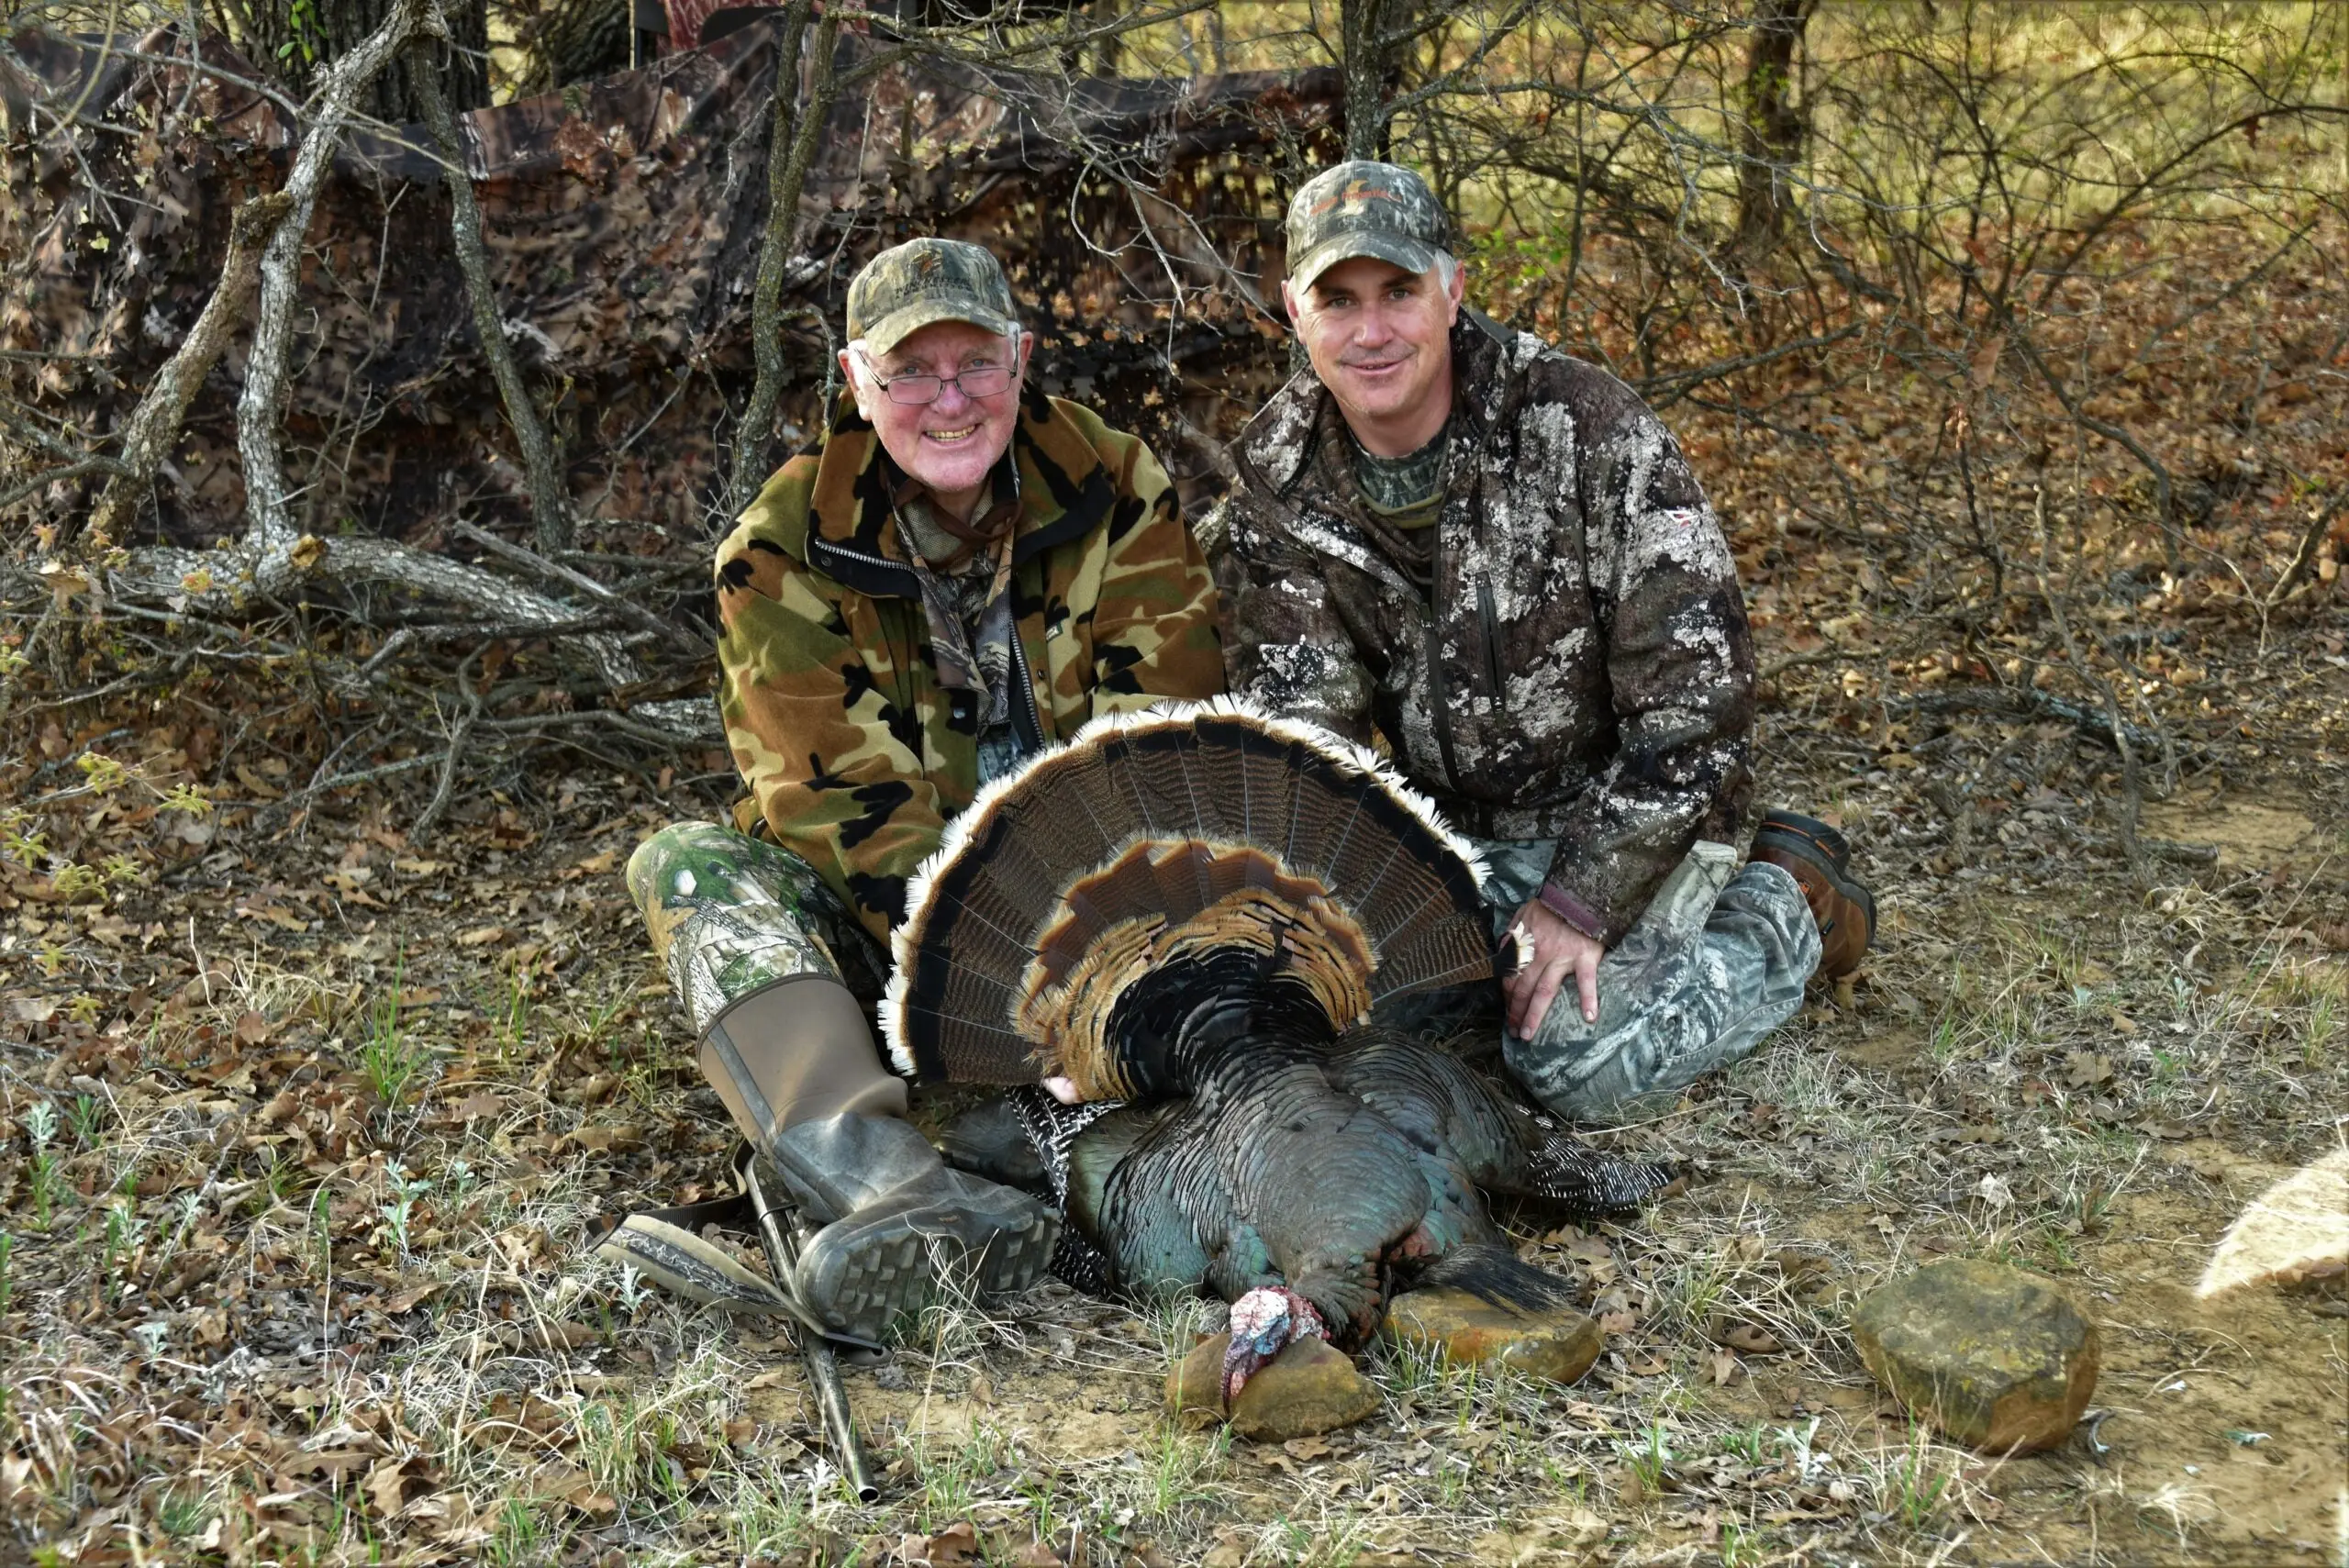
{"points": [[542, 457]]}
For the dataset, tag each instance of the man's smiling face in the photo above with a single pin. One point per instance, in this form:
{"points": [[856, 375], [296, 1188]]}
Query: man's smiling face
{"points": [[1380, 339], [949, 445]]}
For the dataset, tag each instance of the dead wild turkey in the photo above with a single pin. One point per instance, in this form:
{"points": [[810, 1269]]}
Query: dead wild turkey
{"points": [[1189, 923]]}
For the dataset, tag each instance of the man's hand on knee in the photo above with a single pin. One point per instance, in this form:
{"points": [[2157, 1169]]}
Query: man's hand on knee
{"points": [[1559, 954]]}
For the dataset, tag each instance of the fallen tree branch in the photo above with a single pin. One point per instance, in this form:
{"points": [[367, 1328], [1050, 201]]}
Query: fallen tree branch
{"points": [[2029, 702]]}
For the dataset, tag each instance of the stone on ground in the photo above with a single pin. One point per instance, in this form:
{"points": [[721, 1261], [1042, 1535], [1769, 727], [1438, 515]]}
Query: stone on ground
{"points": [[1557, 1345], [1309, 1388], [1995, 1358]]}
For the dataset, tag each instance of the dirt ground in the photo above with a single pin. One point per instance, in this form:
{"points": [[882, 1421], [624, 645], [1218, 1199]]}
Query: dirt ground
{"points": [[294, 1215]]}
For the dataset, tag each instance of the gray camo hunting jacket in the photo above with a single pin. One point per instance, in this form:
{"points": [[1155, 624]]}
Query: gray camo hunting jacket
{"points": [[1581, 669]]}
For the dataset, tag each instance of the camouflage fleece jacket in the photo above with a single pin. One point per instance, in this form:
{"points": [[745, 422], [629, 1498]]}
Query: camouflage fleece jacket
{"points": [[1581, 669], [854, 754]]}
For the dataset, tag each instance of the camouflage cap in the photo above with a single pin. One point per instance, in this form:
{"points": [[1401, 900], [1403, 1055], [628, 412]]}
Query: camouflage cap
{"points": [[909, 286], [1362, 208]]}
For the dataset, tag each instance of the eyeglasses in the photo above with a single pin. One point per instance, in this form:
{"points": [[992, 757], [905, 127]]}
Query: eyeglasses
{"points": [[919, 390]]}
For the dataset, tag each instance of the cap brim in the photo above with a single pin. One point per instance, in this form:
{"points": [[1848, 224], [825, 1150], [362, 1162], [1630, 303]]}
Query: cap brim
{"points": [[1411, 255], [899, 325]]}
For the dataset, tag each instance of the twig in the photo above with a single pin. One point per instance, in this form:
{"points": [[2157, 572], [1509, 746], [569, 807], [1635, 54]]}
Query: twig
{"points": [[551, 572], [542, 457], [41, 482], [2132, 793], [439, 802], [2289, 583]]}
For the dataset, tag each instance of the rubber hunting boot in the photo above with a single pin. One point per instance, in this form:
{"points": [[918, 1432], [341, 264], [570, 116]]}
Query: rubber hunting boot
{"points": [[899, 1229]]}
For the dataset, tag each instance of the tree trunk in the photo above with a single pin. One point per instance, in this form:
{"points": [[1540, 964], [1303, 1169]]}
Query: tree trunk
{"points": [[297, 39], [1770, 140], [1363, 25]]}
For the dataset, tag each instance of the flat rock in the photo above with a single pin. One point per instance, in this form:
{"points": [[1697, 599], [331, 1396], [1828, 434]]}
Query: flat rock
{"points": [[1309, 1388], [1558, 1345], [1998, 1359]]}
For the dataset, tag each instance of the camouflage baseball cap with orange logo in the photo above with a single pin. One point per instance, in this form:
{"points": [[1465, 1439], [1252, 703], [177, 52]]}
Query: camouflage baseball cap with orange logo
{"points": [[1362, 208], [913, 285]]}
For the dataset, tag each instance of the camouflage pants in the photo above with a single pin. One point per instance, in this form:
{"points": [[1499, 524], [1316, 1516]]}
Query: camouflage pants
{"points": [[734, 920], [1718, 960]]}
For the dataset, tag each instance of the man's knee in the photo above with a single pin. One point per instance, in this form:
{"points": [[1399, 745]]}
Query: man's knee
{"points": [[674, 863], [1581, 1074]]}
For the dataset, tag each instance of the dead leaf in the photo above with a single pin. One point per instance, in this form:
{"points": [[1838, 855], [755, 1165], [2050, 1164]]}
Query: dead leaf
{"points": [[481, 936], [1724, 1367], [605, 1140], [31, 1009], [252, 781], [2083, 1070], [410, 1299], [1752, 1341], [252, 1029], [1613, 1323], [956, 1545], [394, 1482], [479, 1105], [1305, 1449]]}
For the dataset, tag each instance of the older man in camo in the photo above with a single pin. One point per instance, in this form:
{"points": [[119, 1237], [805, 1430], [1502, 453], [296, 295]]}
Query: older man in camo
{"points": [[1493, 557], [962, 571]]}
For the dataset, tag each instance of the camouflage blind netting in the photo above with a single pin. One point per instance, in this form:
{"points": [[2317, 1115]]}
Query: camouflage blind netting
{"points": [[623, 219]]}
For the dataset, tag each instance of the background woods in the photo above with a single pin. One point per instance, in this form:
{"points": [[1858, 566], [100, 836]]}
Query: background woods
{"points": [[375, 376]]}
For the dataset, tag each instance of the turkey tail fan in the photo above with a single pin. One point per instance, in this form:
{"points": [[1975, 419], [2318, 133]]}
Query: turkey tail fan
{"points": [[1183, 829], [1495, 1275]]}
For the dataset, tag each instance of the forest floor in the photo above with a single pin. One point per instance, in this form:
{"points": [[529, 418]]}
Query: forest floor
{"points": [[293, 1262]]}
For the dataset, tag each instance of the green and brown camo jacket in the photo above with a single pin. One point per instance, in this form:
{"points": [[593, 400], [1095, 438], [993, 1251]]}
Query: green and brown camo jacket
{"points": [[855, 755], [1581, 669]]}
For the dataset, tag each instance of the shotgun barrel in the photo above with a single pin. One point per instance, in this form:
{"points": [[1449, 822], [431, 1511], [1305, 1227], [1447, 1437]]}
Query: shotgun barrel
{"points": [[823, 1365]]}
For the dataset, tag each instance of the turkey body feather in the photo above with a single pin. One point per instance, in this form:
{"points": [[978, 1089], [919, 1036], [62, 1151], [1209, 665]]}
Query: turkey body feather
{"points": [[1192, 918]]}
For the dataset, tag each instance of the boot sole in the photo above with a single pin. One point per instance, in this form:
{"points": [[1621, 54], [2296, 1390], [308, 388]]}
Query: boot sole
{"points": [[1793, 830], [890, 1270]]}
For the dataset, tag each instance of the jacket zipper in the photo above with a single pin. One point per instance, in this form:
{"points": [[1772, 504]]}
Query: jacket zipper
{"points": [[1035, 736], [1439, 695], [1492, 629], [1033, 731]]}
